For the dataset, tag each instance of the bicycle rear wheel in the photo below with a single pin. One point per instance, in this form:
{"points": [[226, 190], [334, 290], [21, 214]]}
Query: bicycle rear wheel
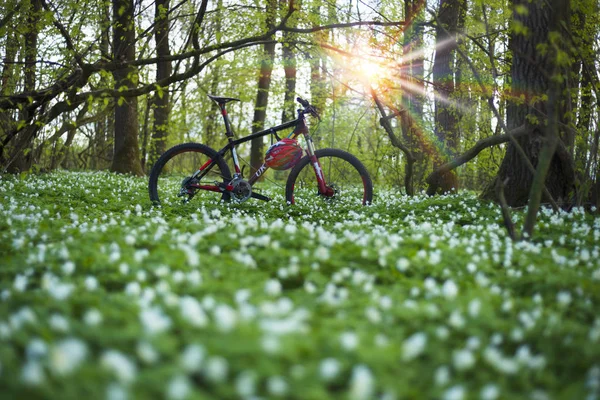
{"points": [[346, 178], [171, 179]]}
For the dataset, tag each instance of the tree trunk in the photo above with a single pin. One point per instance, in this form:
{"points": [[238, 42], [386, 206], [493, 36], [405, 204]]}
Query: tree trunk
{"points": [[161, 98], [529, 80], [444, 77], [126, 158], [262, 96], [317, 80], [413, 96], [21, 158], [7, 84], [289, 68], [211, 127]]}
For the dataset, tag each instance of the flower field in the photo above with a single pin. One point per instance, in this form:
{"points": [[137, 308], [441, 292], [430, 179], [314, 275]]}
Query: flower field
{"points": [[104, 296]]}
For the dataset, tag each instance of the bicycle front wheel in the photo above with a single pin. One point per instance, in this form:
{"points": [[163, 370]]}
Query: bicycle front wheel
{"points": [[346, 178], [175, 178]]}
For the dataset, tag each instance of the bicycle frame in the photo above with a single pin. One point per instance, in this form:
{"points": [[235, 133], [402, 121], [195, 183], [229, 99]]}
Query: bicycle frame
{"points": [[301, 129]]}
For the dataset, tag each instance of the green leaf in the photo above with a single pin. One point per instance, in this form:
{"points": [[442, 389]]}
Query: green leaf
{"points": [[521, 9]]}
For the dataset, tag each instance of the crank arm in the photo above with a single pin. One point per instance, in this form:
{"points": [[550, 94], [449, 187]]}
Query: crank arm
{"points": [[260, 196]]}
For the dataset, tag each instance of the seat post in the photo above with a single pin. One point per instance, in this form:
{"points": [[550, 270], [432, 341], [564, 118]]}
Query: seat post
{"points": [[228, 130]]}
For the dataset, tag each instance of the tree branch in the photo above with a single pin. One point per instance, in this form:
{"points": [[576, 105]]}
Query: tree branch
{"points": [[468, 155]]}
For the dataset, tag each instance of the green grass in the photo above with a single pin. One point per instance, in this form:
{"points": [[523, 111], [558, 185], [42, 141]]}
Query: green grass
{"points": [[102, 296]]}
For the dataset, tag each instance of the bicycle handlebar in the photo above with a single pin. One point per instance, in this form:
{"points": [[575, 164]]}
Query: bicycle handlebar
{"points": [[308, 108]]}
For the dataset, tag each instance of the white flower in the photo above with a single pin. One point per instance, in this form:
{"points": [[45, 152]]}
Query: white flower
{"points": [[225, 317], [133, 289], [361, 383], [91, 283], [92, 317], [245, 384], [59, 290], [449, 289], [474, 307], [122, 367], [36, 349], [192, 311], [32, 373], [216, 369], [66, 355], [442, 375], [20, 283], [277, 386], [563, 298], [385, 302], [349, 341], [146, 352], [59, 323], [373, 315], [154, 320], [414, 346], [454, 393], [242, 296], [124, 268], [463, 359], [329, 368], [489, 392], [273, 287], [178, 387], [192, 255], [402, 264], [270, 343], [115, 391], [68, 268], [322, 253], [192, 357], [456, 319]]}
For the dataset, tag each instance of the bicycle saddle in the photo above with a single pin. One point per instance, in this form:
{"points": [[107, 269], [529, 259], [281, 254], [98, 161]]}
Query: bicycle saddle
{"points": [[222, 100]]}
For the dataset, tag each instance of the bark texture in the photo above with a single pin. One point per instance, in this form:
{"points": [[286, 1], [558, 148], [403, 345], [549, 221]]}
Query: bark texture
{"points": [[257, 149], [126, 157], [161, 99], [530, 77]]}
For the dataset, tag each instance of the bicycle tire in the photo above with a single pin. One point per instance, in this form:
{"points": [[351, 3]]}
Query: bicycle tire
{"points": [[357, 188], [166, 171]]}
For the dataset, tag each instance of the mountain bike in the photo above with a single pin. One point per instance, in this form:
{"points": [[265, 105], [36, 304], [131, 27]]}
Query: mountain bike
{"points": [[186, 170]]}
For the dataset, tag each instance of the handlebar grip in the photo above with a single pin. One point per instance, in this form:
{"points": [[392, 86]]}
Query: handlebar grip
{"points": [[303, 102]]}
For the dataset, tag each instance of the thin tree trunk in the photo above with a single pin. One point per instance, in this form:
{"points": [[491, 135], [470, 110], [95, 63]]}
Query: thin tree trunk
{"points": [[446, 114], [317, 79], [289, 68], [146, 134], [212, 119], [126, 158], [161, 100], [262, 96]]}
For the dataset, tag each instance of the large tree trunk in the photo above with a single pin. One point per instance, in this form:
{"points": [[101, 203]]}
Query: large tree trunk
{"points": [[444, 77], [163, 70], [126, 158], [257, 149], [530, 74], [21, 158], [413, 95]]}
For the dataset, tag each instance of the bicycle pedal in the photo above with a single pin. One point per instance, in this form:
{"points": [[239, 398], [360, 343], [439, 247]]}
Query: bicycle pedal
{"points": [[260, 196]]}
